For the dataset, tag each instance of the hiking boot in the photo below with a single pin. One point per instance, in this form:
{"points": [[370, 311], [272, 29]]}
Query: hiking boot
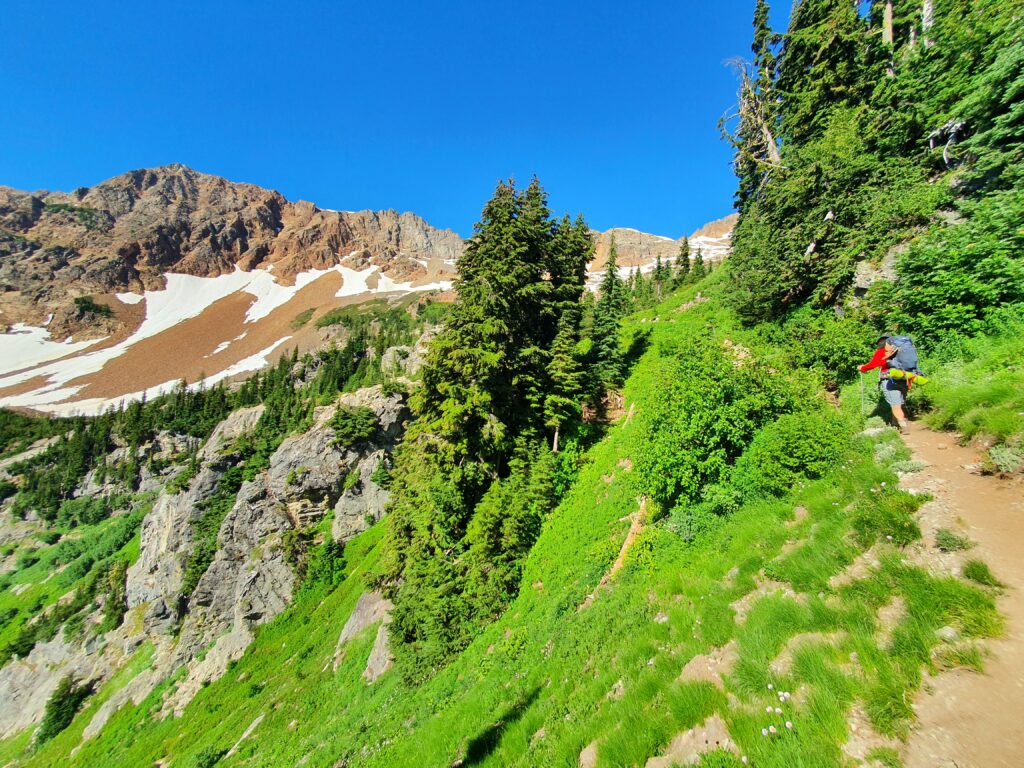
{"points": [[904, 427]]}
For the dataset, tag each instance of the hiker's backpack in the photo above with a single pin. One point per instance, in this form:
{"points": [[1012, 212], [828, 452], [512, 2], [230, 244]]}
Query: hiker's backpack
{"points": [[905, 358]]}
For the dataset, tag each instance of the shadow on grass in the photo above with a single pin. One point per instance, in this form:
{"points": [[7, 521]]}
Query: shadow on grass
{"points": [[637, 346], [481, 746]]}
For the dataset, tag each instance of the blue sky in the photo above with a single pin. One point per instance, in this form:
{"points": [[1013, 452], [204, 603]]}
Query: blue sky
{"points": [[414, 106]]}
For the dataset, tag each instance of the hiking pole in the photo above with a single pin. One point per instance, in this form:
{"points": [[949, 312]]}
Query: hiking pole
{"points": [[862, 394]]}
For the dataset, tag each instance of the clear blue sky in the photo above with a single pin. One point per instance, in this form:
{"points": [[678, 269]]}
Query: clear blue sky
{"points": [[417, 106]]}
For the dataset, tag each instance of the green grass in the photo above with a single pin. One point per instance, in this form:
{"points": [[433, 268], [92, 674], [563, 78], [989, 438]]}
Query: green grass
{"points": [[979, 392], [302, 318], [948, 541], [979, 572]]}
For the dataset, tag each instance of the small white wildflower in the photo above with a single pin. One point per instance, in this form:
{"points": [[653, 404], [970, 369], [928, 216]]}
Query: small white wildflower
{"points": [[768, 710], [743, 759], [888, 537], [771, 687], [772, 729], [778, 710], [764, 731], [789, 724], [883, 485]]}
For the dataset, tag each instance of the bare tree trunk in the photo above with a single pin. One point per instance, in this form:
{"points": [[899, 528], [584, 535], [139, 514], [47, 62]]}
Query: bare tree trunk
{"points": [[927, 21], [887, 35], [554, 443]]}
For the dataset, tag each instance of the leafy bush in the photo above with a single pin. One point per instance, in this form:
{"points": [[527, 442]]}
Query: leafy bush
{"points": [[353, 425], [88, 306], [707, 409], [794, 447], [207, 757], [63, 705], [7, 489], [85, 510]]}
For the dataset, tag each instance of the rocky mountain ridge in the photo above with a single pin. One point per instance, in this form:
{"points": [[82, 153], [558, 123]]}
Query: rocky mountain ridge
{"points": [[125, 234]]}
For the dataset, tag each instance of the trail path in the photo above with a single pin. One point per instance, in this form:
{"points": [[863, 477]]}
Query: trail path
{"points": [[969, 720]]}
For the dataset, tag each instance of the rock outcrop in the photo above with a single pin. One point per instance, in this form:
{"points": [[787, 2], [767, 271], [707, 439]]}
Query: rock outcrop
{"points": [[251, 580]]}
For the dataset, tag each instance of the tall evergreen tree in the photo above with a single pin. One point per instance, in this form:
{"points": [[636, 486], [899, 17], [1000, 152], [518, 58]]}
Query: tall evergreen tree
{"points": [[682, 273], [698, 266], [607, 362], [499, 376]]}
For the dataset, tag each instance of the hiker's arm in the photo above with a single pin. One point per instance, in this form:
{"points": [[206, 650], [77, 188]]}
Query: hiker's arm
{"points": [[877, 361]]}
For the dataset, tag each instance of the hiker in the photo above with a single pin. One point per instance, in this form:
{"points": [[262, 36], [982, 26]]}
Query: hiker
{"points": [[896, 359]]}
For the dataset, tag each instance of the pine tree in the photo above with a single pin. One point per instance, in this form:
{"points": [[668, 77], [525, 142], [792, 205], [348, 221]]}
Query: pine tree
{"points": [[682, 273], [565, 373], [698, 266], [501, 374], [606, 356], [821, 65]]}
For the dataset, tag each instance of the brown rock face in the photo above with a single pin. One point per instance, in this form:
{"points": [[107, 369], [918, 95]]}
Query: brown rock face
{"points": [[124, 234], [637, 249]]}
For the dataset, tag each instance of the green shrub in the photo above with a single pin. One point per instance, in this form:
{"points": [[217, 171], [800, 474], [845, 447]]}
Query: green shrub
{"points": [[351, 479], [7, 489], [353, 425], [208, 757], [27, 558], [85, 510], [63, 705], [796, 446], [88, 306], [979, 572], [948, 541], [705, 413]]}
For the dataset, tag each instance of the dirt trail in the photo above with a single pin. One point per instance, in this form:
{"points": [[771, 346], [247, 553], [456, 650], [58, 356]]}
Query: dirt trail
{"points": [[969, 720]]}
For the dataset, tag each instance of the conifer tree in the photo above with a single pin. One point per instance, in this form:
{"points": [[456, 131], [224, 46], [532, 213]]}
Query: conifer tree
{"points": [[682, 273], [606, 357], [502, 373], [698, 266]]}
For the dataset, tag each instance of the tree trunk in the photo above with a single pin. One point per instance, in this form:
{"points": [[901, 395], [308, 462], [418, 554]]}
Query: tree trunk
{"points": [[887, 35], [554, 443], [927, 20]]}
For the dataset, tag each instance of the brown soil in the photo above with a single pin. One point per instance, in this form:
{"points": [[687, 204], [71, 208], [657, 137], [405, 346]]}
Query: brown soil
{"points": [[970, 720]]}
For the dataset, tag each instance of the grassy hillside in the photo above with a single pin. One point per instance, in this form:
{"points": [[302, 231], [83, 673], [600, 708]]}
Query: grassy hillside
{"points": [[574, 661]]}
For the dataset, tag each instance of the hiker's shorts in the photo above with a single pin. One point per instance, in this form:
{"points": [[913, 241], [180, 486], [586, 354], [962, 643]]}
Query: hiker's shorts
{"points": [[894, 391]]}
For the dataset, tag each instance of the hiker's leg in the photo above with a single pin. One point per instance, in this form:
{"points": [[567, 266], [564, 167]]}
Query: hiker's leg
{"points": [[894, 393]]}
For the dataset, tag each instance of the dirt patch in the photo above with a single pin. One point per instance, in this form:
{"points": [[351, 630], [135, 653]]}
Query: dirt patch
{"points": [[966, 719], [687, 747], [710, 667], [862, 738]]}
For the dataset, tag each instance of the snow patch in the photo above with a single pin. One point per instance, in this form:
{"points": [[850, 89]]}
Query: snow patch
{"points": [[129, 298], [25, 346], [252, 363]]}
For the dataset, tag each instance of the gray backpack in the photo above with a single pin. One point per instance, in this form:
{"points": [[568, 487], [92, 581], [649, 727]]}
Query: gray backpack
{"points": [[905, 358]]}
